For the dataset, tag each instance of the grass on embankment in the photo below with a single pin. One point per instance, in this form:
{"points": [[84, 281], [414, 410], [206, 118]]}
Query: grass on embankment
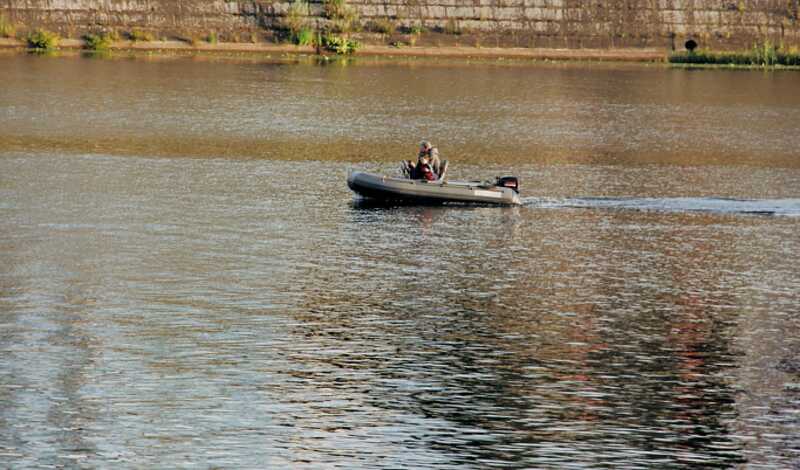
{"points": [[7, 29], [762, 55], [44, 40]]}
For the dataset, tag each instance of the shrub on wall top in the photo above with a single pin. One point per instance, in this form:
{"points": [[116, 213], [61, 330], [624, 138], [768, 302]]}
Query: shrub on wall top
{"points": [[140, 35], [7, 30], [339, 44], [43, 39], [98, 42], [344, 18]]}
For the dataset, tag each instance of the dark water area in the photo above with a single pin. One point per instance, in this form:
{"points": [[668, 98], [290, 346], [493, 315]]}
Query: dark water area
{"points": [[217, 298]]}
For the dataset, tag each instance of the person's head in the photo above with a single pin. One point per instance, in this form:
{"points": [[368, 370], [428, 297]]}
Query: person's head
{"points": [[434, 152], [425, 146]]}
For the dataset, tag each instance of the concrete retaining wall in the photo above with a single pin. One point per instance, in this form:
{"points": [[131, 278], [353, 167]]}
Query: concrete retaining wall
{"points": [[723, 24]]}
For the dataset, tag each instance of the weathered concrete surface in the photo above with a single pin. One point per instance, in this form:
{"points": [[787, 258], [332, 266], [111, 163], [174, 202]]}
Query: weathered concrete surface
{"points": [[721, 24]]}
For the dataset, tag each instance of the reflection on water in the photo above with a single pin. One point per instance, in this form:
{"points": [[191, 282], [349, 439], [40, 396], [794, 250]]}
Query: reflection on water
{"points": [[372, 110], [169, 312], [203, 312]]}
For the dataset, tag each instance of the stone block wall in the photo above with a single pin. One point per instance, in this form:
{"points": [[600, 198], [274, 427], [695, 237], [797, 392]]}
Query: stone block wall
{"points": [[722, 24]]}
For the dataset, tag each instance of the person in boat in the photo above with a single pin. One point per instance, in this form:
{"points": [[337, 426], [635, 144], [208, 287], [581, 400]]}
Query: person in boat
{"points": [[437, 165], [431, 154], [424, 169], [427, 149]]}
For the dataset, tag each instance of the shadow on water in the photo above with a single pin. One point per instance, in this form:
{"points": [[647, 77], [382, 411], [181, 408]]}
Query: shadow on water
{"points": [[377, 204], [359, 203], [98, 55]]}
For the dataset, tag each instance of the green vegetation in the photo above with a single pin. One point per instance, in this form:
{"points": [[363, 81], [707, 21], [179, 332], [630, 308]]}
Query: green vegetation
{"points": [[333, 37], [344, 18], [300, 32], [761, 55], [339, 44], [304, 37], [417, 29], [296, 16], [43, 40], [212, 37], [140, 35], [98, 42], [383, 26], [296, 24], [7, 29]]}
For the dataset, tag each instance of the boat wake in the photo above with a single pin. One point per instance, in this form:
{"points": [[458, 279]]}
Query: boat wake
{"points": [[778, 207]]}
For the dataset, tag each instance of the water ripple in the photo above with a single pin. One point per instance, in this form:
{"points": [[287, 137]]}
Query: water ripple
{"points": [[779, 207]]}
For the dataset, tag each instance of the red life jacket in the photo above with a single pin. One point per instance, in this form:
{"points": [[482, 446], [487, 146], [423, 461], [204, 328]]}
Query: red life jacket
{"points": [[425, 172]]}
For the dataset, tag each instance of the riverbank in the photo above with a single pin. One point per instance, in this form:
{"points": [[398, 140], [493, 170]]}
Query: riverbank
{"points": [[758, 57], [764, 55], [617, 55]]}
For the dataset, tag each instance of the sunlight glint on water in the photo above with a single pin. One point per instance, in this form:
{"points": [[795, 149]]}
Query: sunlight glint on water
{"points": [[167, 303]]}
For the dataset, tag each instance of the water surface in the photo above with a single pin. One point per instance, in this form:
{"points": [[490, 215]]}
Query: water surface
{"points": [[186, 281], [375, 110]]}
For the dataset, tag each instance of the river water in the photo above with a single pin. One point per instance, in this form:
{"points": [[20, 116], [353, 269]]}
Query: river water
{"points": [[187, 282]]}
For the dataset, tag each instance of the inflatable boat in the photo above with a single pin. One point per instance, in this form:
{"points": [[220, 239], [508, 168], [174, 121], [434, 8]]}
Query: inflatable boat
{"points": [[504, 190]]}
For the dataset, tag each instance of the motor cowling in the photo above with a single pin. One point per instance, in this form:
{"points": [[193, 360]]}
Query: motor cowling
{"points": [[509, 182]]}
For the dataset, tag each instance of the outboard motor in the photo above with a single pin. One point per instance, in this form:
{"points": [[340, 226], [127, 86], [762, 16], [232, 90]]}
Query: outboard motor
{"points": [[509, 182]]}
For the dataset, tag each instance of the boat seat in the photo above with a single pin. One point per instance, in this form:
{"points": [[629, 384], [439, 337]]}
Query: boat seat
{"points": [[405, 169], [443, 174]]}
